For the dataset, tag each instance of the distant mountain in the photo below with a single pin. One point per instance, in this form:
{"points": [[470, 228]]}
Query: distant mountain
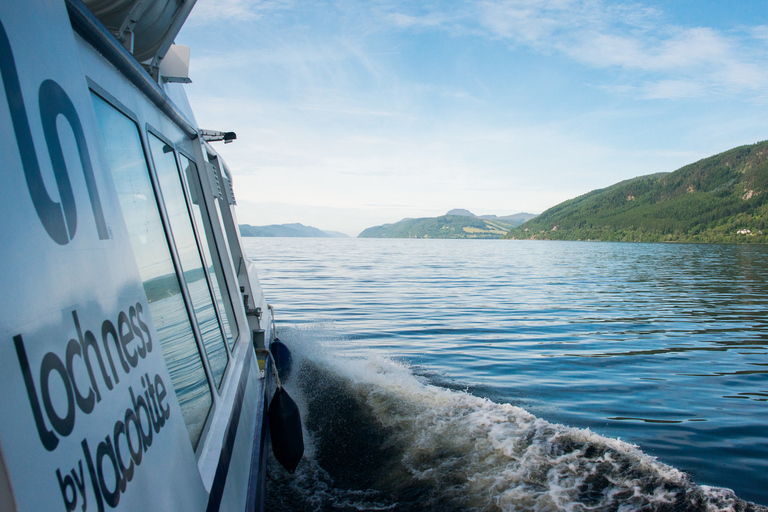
{"points": [[515, 219], [723, 198], [457, 223], [290, 230], [461, 212]]}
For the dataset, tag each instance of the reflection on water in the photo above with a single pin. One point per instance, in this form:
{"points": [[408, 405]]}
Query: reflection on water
{"points": [[209, 325], [172, 323], [657, 344]]}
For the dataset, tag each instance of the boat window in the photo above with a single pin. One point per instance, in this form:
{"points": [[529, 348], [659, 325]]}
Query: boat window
{"points": [[189, 256], [210, 251], [128, 167]]}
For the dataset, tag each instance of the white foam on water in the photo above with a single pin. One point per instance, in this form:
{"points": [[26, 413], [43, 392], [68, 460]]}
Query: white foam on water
{"points": [[450, 450]]}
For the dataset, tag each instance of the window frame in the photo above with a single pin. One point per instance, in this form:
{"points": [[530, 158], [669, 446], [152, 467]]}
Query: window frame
{"points": [[152, 131], [143, 130], [208, 216]]}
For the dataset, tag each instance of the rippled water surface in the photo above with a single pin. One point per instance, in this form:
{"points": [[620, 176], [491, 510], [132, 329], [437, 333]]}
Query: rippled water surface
{"points": [[663, 346]]}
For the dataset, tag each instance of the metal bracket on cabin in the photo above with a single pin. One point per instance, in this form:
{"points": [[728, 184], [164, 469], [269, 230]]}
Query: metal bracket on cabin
{"points": [[249, 311]]}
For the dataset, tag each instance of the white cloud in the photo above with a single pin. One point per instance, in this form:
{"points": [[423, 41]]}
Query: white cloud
{"points": [[672, 89], [212, 12], [407, 21], [760, 32]]}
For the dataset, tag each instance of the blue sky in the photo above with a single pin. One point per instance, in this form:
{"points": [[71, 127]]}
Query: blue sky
{"points": [[353, 114]]}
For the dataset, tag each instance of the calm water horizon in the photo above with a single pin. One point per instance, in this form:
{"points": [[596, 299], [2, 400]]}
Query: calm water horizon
{"points": [[662, 346]]}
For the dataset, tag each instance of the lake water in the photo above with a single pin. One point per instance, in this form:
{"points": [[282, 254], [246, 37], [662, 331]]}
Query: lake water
{"points": [[490, 374]]}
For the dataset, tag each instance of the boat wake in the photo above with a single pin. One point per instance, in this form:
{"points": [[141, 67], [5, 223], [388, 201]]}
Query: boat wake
{"points": [[380, 438]]}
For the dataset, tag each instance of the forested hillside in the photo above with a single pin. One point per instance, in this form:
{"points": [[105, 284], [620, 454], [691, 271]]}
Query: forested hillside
{"points": [[723, 198], [445, 226]]}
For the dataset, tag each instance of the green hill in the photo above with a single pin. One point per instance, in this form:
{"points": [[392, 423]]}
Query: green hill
{"points": [[455, 224], [723, 198]]}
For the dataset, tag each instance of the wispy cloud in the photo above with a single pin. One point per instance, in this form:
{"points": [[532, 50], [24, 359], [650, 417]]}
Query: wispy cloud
{"points": [[666, 60], [209, 13], [407, 21]]}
